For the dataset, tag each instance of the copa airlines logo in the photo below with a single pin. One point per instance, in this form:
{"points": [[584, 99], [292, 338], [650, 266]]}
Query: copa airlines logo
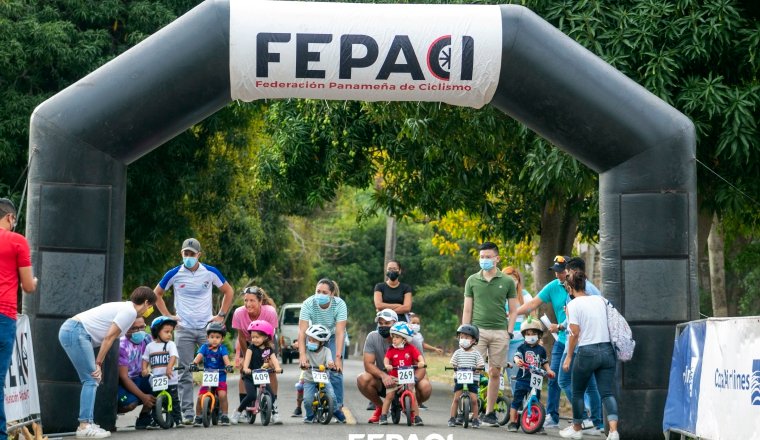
{"points": [[370, 52], [733, 380], [755, 383]]}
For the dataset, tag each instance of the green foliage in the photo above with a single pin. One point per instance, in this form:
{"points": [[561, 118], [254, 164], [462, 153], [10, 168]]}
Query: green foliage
{"points": [[747, 268]]}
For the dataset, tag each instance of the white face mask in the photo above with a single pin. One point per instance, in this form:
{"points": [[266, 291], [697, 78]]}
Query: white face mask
{"points": [[414, 327], [465, 343], [531, 339], [399, 346]]}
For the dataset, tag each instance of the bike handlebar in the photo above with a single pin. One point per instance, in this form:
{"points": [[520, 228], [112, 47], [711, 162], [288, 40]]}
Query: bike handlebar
{"points": [[405, 367], [318, 368], [464, 369]]}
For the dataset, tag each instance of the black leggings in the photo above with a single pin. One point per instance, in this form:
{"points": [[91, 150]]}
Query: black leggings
{"points": [[251, 391]]}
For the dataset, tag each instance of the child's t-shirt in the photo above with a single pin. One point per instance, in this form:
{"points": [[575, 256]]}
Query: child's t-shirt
{"points": [[214, 360], [402, 357], [467, 359], [259, 356], [317, 358], [158, 353], [535, 356]]}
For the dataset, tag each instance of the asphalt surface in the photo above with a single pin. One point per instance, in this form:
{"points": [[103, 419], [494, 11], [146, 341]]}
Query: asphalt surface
{"points": [[357, 428]]}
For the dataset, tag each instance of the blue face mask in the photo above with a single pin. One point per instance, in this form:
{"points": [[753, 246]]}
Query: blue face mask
{"points": [[312, 346], [486, 263], [189, 262], [321, 298], [137, 337]]}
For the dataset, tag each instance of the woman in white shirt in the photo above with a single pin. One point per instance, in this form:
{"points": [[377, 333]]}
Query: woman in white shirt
{"points": [[587, 319], [98, 327]]}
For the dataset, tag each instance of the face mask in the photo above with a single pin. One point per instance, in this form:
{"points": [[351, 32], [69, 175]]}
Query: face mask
{"points": [[465, 343], [321, 298], [399, 346], [392, 275], [486, 263], [147, 312], [531, 339], [189, 262], [384, 331], [414, 327], [312, 346], [137, 337]]}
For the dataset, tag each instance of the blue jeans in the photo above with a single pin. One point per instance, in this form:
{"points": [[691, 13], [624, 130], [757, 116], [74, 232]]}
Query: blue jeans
{"points": [[309, 390], [596, 360], [552, 401], [336, 378], [592, 392], [77, 344], [7, 340]]}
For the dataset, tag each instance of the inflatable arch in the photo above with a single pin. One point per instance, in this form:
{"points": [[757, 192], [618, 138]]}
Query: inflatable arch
{"points": [[85, 137]]}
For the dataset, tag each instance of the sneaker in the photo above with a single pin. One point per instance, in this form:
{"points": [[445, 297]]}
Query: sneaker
{"points": [[570, 432], [418, 421], [383, 419], [375, 416], [276, 418], [309, 419], [153, 426], [475, 423], [551, 423], [422, 406], [490, 419], [224, 420], [339, 416], [198, 421], [297, 412], [371, 406], [592, 431], [235, 419], [143, 420], [452, 422], [92, 430], [587, 423], [512, 427], [187, 421], [613, 435], [459, 420]]}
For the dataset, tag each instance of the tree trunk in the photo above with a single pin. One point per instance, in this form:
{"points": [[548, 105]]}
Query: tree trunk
{"points": [[390, 242], [704, 223], [715, 246]]}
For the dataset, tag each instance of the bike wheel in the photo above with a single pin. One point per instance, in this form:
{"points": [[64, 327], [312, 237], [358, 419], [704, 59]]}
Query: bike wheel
{"points": [[535, 421], [464, 402], [395, 411], [206, 411], [251, 417], [215, 416], [325, 409], [407, 405], [161, 413], [502, 410], [265, 408]]}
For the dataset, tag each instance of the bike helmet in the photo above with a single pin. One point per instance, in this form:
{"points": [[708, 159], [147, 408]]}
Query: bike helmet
{"points": [[532, 324], [402, 329], [159, 323], [386, 314], [469, 329], [216, 327], [262, 327], [318, 332]]}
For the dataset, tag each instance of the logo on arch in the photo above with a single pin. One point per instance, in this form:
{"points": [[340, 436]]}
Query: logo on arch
{"points": [[755, 383]]}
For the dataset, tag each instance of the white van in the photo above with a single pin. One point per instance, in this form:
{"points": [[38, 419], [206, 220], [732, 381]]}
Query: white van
{"points": [[288, 332]]}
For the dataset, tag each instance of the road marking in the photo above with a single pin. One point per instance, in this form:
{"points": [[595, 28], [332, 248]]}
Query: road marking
{"points": [[350, 419]]}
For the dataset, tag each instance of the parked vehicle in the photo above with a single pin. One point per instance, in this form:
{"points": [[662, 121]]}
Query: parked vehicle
{"points": [[288, 332]]}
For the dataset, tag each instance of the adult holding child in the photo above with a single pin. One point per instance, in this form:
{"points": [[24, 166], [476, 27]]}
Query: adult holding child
{"points": [[193, 283], [98, 327]]}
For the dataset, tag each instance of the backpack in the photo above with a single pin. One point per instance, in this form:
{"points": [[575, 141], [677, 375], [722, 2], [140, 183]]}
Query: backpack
{"points": [[621, 336]]}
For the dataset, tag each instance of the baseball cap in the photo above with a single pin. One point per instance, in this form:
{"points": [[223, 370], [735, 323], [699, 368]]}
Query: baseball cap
{"points": [[386, 314], [191, 244], [559, 263]]}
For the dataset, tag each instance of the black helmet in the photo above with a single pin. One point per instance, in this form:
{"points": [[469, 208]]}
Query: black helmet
{"points": [[216, 327], [469, 329], [159, 323]]}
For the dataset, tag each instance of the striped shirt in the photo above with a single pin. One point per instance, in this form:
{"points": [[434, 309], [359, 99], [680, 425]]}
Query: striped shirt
{"points": [[467, 359], [329, 317]]}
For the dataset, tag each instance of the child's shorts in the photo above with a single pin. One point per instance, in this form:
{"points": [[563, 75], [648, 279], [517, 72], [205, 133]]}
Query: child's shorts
{"points": [[522, 389], [222, 387], [471, 387]]}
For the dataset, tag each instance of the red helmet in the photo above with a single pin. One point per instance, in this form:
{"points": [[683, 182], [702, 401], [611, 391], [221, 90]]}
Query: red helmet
{"points": [[263, 327]]}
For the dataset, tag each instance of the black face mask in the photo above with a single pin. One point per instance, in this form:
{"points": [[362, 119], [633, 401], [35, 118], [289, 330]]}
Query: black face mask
{"points": [[392, 275], [385, 332]]}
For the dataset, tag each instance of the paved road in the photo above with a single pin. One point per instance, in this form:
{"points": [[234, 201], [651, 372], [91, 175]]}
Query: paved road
{"points": [[435, 419]]}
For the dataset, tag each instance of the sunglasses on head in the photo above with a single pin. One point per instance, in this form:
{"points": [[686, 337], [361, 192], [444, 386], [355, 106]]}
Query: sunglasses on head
{"points": [[253, 291]]}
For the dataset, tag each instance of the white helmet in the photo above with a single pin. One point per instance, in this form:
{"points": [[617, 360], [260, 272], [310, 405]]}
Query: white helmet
{"points": [[403, 330], [318, 332], [386, 314]]}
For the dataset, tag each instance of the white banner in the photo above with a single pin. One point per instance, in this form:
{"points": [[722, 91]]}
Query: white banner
{"points": [[21, 396], [367, 52], [729, 395]]}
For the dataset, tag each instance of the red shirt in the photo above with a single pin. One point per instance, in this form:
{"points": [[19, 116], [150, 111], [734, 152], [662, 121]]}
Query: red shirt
{"points": [[402, 357], [14, 254]]}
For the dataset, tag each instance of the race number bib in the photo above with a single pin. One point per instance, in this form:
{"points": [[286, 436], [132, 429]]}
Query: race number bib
{"points": [[405, 375], [464, 377], [260, 377], [501, 382], [159, 383], [536, 381], [320, 376], [210, 379]]}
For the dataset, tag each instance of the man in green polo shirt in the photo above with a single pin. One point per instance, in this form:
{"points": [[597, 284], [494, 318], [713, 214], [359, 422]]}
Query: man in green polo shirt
{"points": [[485, 293]]}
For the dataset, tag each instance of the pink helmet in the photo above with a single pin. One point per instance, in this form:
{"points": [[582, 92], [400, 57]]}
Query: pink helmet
{"points": [[263, 327]]}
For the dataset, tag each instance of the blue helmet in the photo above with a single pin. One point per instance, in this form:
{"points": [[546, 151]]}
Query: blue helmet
{"points": [[402, 329], [159, 323]]}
